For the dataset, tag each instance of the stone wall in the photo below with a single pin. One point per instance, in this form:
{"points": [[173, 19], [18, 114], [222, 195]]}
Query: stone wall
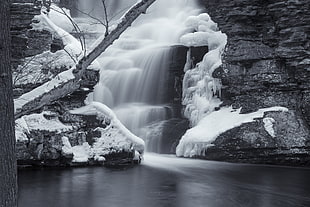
{"points": [[266, 63]]}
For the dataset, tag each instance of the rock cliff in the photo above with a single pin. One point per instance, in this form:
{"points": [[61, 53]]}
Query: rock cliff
{"points": [[266, 63]]}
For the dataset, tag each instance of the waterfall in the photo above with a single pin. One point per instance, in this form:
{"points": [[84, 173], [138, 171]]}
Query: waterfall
{"points": [[134, 69]]}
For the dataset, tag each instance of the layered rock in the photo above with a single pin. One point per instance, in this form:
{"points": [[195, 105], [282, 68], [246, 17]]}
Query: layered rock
{"points": [[55, 138], [266, 64], [25, 41]]}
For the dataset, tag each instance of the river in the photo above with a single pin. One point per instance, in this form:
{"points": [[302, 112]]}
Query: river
{"points": [[164, 180]]}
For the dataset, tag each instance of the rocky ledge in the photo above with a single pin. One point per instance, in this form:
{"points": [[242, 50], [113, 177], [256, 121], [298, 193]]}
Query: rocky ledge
{"points": [[266, 63], [55, 138]]}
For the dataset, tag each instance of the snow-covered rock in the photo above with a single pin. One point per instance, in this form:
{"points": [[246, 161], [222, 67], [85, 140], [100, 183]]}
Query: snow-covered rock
{"points": [[197, 139], [115, 130]]}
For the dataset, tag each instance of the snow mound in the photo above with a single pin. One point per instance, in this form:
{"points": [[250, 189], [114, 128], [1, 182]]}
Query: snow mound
{"points": [[28, 123], [197, 139]]}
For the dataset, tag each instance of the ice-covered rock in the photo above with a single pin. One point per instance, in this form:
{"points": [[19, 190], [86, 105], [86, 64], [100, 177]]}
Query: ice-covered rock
{"points": [[200, 89]]}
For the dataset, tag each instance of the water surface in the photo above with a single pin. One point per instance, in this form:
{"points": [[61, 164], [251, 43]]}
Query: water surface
{"points": [[164, 180]]}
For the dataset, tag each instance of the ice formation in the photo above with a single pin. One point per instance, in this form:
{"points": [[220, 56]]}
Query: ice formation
{"points": [[201, 92], [197, 139], [199, 87]]}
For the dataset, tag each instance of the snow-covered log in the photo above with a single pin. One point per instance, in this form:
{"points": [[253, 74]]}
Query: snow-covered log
{"points": [[60, 87], [115, 129]]}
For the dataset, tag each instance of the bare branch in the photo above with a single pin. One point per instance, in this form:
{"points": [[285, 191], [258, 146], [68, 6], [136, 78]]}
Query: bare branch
{"points": [[92, 17], [77, 29], [105, 18]]}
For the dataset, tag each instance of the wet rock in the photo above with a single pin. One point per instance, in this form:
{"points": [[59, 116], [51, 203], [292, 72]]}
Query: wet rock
{"points": [[173, 130]]}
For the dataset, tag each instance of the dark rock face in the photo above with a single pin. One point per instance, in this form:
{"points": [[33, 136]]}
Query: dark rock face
{"points": [[173, 130], [25, 41], [266, 64]]}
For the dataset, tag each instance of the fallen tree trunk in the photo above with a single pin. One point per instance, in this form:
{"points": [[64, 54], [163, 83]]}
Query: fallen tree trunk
{"points": [[63, 85]]}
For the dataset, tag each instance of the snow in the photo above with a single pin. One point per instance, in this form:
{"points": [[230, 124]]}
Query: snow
{"points": [[66, 146], [45, 88], [58, 25], [115, 130], [72, 45], [197, 139], [268, 124], [37, 69], [21, 130], [39, 122], [28, 123], [81, 153], [114, 137], [59, 16], [200, 89], [110, 141]]}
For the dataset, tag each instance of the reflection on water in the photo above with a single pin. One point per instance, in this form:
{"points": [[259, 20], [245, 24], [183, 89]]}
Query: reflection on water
{"points": [[166, 181]]}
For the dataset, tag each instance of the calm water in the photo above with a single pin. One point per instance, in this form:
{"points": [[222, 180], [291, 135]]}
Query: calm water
{"points": [[166, 181]]}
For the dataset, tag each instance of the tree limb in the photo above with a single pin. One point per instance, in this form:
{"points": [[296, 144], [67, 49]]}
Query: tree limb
{"points": [[58, 88]]}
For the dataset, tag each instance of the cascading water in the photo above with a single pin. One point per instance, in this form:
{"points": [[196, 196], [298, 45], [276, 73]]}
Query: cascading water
{"points": [[134, 69]]}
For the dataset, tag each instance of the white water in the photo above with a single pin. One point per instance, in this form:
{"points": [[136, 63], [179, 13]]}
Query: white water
{"points": [[134, 69]]}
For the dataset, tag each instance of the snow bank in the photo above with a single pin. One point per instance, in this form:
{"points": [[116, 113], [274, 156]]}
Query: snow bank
{"points": [[200, 89], [115, 132], [197, 139], [27, 123]]}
